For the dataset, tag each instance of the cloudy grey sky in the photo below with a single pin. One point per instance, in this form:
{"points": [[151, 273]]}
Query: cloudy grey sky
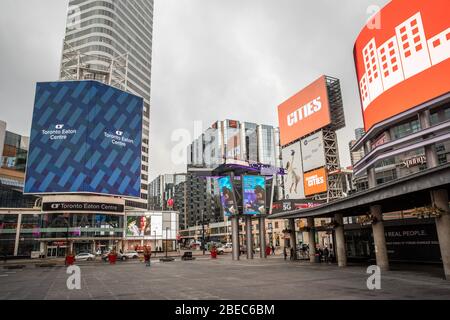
{"points": [[212, 59]]}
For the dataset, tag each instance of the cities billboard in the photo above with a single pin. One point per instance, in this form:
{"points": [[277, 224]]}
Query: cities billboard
{"points": [[313, 152], [315, 182], [305, 112], [293, 178], [405, 62], [254, 195], [86, 137]]}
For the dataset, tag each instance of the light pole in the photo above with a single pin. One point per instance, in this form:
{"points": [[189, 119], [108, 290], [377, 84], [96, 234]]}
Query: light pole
{"points": [[167, 228], [155, 244]]}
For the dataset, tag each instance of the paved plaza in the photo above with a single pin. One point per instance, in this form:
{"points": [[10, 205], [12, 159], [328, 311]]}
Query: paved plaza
{"points": [[205, 279]]}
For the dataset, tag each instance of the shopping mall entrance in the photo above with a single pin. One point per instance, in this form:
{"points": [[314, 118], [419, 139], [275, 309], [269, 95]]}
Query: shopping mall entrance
{"points": [[56, 250]]}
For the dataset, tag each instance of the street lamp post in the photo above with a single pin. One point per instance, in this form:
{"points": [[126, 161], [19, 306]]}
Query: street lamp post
{"points": [[167, 228], [155, 244]]}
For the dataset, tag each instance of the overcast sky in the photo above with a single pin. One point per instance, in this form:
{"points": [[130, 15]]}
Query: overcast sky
{"points": [[212, 60]]}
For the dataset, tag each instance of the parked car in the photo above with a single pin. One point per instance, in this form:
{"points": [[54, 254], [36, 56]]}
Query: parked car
{"points": [[228, 248], [220, 250], [84, 256], [130, 255]]}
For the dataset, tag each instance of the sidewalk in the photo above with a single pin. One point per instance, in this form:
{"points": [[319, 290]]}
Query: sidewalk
{"points": [[61, 261]]}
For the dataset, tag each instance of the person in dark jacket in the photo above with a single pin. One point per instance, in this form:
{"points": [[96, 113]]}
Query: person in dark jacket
{"points": [[285, 253]]}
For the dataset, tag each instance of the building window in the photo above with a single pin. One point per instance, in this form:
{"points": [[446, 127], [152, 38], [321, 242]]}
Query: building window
{"points": [[386, 176], [405, 129]]}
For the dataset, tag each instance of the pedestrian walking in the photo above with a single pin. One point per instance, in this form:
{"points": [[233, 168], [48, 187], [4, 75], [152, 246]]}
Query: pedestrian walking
{"points": [[326, 255], [285, 253], [147, 256], [273, 250]]}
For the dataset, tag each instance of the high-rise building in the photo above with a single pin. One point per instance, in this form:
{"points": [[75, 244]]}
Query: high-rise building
{"points": [[13, 156], [357, 155], [163, 188], [111, 41], [225, 142]]}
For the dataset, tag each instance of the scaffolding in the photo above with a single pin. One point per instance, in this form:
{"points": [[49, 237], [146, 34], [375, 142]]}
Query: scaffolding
{"points": [[79, 66]]}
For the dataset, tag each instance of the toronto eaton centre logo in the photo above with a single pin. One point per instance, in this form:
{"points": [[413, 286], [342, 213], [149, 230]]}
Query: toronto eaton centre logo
{"points": [[118, 138], [59, 132]]}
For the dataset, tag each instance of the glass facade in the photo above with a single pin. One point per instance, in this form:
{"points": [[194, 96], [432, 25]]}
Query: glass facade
{"points": [[8, 230], [80, 225]]}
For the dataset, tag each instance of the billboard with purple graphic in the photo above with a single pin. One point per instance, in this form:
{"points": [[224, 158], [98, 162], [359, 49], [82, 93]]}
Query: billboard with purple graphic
{"points": [[254, 195]]}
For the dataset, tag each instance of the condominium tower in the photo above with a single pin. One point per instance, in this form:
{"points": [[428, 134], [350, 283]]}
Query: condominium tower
{"points": [[111, 41]]}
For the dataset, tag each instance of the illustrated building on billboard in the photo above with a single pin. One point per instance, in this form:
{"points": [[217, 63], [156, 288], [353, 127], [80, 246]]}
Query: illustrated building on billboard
{"points": [[404, 55], [111, 42]]}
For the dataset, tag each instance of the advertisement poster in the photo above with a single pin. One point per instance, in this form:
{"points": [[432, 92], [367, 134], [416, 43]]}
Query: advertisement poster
{"points": [[313, 152], [254, 195], [138, 226], [305, 112], [405, 62], [293, 169], [316, 182], [86, 137], [227, 197]]}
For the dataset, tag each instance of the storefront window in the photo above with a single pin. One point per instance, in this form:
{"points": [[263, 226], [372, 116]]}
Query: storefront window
{"points": [[81, 225], [8, 227]]}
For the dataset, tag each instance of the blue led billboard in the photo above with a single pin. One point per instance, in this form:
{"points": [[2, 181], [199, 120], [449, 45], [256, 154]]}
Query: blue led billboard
{"points": [[86, 137], [254, 195], [227, 197]]}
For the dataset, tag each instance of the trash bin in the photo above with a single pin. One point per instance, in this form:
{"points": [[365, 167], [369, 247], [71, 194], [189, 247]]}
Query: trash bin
{"points": [[70, 260], [112, 258], [317, 258]]}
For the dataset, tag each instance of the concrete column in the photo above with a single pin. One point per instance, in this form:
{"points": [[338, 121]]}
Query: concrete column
{"points": [[312, 239], [440, 200], [379, 238], [16, 244], [340, 241], [249, 235], [262, 237], [235, 236], [293, 236], [372, 181], [430, 150]]}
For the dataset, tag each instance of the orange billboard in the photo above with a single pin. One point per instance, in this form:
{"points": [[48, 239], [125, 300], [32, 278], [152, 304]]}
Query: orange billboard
{"points": [[315, 182], [305, 112], [405, 62]]}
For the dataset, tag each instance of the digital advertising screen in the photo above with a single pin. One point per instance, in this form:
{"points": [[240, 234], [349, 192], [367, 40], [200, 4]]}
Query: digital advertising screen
{"points": [[305, 112], [293, 169], [138, 226], [227, 197], [316, 182], [313, 151], [405, 61], [86, 137], [254, 195]]}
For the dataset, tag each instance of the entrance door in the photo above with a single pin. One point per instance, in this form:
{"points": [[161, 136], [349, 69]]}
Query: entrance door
{"points": [[51, 252]]}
